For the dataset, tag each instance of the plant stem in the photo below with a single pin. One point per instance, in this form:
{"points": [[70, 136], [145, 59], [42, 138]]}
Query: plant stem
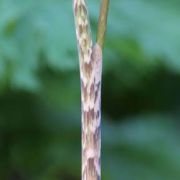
{"points": [[90, 61], [102, 22]]}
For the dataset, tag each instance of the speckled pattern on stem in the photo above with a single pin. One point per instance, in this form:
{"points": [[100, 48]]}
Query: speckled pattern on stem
{"points": [[90, 62]]}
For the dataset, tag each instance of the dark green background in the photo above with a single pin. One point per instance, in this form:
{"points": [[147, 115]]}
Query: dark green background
{"points": [[40, 90]]}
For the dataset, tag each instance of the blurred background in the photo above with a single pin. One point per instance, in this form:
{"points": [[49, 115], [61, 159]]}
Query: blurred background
{"points": [[40, 126]]}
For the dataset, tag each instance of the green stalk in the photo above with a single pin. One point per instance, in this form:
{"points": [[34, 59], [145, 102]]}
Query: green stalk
{"points": [[102, 22]]}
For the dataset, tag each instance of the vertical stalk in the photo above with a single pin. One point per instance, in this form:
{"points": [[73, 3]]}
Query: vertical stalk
{"points": [[90, 63], [102, 22]]}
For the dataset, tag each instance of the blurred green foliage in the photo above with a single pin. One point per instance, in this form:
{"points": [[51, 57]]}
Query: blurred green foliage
{"points": [[40, 90]]}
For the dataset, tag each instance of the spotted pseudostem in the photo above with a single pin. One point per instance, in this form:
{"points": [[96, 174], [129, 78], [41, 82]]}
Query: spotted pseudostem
{"points": [[90, 61]]}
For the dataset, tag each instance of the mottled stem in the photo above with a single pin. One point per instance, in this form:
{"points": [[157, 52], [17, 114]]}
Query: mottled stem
{"points": [[90, 62]]}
